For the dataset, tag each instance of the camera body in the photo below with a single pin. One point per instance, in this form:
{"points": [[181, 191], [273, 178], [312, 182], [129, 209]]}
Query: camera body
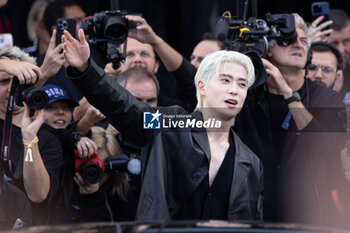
{"points": [[254, 34], [107, 30], [31, 94], [106, 27], [91, 169]]}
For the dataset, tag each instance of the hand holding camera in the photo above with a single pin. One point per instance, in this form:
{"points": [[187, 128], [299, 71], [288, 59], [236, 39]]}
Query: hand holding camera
{"points": [[26, 72], [31, 124], [86, 147], [144, 32]]}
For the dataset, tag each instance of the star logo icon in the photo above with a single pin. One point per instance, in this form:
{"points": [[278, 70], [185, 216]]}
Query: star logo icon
{"points": [[151, 120], [155, 115]]}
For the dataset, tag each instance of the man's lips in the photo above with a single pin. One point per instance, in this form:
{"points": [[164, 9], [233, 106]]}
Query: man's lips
{"points": [[231, 103]]}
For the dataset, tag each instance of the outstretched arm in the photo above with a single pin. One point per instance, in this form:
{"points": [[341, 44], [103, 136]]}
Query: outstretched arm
{"points": [[144, 33]]}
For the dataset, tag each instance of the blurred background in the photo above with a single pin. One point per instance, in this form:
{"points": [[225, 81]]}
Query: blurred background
{"points": [[180, 22]]}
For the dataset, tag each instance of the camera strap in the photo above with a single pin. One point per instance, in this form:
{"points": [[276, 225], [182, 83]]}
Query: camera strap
{"points": [[7, 132]]}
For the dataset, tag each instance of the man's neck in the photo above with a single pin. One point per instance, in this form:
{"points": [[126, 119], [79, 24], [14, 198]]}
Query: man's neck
{"points": [[294, 77], [222, 132]]}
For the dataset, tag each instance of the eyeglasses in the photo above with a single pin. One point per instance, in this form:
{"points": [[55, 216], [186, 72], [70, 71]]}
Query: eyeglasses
{"points": [[325, 69]]}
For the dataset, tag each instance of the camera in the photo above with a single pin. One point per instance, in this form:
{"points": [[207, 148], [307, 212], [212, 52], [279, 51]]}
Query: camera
{"points": [[107, 30], [31, 94], [254, 34], [91, 169]]}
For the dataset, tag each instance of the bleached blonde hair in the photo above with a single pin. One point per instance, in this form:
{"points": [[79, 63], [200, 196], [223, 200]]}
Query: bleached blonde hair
{"points": [[210, 65]]}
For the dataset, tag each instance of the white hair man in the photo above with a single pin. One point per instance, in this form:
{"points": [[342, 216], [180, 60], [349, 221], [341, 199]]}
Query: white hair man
{"points": [[209, 159]]}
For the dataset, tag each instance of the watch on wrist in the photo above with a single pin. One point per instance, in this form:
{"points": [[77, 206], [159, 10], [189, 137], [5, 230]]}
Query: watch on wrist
{"points": [[293, 98]]}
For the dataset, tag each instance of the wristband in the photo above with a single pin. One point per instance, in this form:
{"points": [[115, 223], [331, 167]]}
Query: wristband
{"points": [[29, 151]]}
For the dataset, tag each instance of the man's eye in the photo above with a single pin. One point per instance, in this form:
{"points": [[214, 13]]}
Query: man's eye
{"points": [[145, 54], [130, 54], [243, 84]]}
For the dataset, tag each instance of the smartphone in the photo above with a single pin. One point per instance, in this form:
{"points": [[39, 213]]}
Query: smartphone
{"points": [[318, 9], [65, 24]]}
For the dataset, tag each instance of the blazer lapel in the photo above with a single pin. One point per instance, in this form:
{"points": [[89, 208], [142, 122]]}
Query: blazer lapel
{"points": [[241, 169], [200, 136]]}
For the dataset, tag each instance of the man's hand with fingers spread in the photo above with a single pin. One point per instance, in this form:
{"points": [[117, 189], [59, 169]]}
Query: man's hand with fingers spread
{"points": [[76, 52]]}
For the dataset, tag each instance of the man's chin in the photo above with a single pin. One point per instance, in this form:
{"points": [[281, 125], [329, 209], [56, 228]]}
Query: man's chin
{"points": [[321, 83]]}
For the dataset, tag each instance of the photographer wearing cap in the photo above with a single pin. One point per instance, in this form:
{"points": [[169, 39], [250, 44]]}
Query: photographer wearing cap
{"points": [[33, 156]]}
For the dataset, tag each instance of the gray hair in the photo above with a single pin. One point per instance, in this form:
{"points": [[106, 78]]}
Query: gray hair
{"points": [[15, 53], [211, 62]]}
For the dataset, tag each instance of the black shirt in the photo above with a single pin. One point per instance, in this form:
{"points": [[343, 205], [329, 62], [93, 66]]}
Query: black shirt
{"points": [[51, 154], [212, 202], [14, 204]]}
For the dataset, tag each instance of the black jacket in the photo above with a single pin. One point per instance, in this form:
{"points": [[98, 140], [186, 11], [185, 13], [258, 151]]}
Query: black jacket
{"points": [[175, 161], [304, 167]]}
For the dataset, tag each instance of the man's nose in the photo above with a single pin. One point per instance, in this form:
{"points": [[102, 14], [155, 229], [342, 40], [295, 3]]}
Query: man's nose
{"points": [[233, 88]]}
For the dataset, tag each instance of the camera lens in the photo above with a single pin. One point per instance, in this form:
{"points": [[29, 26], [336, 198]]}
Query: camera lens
{"points": [[36, 98], [90, 172], [116, 29]]}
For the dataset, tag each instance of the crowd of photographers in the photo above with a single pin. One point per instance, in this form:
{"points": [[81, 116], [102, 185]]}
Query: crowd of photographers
{"points": [[73, 151]]}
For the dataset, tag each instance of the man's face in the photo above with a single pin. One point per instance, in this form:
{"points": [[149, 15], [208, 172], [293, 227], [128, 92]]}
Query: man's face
{"points": [[5, 85], [291, 56], [58, 114], [145, 90], [323, 68], [341, 39], [140, 55], [202, 49], [226, 90]]}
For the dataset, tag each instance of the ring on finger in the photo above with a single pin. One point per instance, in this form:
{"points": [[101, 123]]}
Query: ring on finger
{"points": [[87, 143], [313, 25]]}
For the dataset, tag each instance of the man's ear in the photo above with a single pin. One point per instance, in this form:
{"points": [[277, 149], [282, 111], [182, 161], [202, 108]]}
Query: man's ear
{"points": [[338, 82], [201, 87], [156, 66], [268, 52]]}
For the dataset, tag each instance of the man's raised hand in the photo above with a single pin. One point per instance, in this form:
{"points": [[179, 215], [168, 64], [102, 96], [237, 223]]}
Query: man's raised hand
{"points": [[76, 52]]}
